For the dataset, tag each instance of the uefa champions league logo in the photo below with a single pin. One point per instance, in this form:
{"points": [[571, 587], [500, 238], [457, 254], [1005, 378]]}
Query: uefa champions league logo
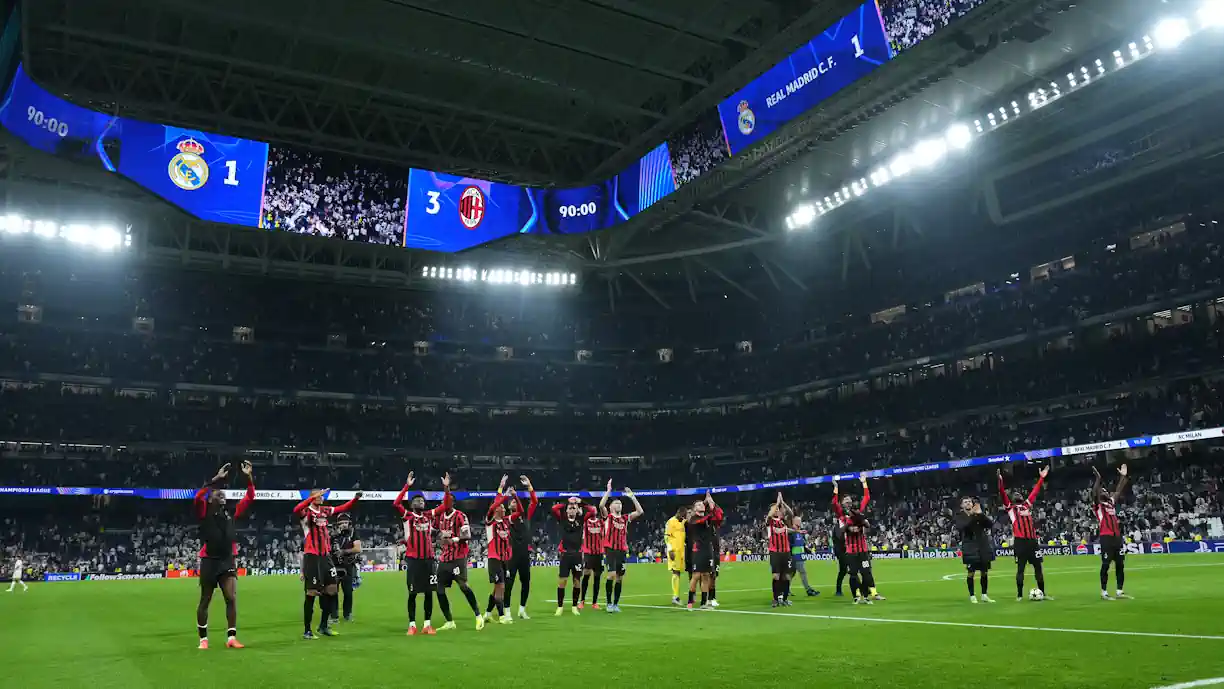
{"points": [[746, 120], [188, 170]]}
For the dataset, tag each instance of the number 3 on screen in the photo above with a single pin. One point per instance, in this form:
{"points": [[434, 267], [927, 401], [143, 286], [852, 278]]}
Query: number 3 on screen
{"points": [[433, 206], [231, 176]]}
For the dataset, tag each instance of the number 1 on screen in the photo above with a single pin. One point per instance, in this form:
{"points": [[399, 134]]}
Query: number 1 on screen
{"points": [[858, 47], [231, 177]]}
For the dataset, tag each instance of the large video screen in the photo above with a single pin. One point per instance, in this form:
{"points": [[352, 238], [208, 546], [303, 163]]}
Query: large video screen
{"points": [[225, 179]]}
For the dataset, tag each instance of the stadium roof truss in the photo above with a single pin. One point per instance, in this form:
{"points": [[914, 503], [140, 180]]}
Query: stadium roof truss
{"points": [[531, 91], [548, 91]]}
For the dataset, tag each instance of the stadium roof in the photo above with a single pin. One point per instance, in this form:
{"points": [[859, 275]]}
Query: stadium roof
{"points": [[571, 90], [525, 91]]}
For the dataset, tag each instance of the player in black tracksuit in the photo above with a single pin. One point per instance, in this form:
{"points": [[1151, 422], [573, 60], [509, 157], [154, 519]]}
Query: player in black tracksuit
{"points": [[837, 542], [977, 549], [519, 566], [345, 548]]}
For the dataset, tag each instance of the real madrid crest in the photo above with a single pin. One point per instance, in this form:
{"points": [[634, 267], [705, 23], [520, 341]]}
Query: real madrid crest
{"points": [[188, 170], [746, 120]]}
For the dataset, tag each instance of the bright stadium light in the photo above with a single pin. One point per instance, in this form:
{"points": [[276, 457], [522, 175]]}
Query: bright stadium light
{"points": [[959, 136], [803, 216], [901, 165], [1170, 33], [929, 152], [1211, 14]]}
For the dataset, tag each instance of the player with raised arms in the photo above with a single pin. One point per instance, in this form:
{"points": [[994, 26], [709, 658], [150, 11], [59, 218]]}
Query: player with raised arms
{"points": [[571, 516], [858, 553], [520, 540], [500, 550], [1024, 533], [616, 541], [318, 571], [1104, 508], [700, 537], [419, 524], [454, 539], [218, 546], [777, 534], [592, 557]]}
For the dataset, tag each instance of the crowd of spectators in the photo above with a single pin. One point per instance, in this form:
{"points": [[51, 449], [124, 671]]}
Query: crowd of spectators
{"points": [[316, 194], [909, 22], [698, 150]]}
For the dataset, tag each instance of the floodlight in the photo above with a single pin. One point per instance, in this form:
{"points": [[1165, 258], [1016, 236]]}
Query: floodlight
{"points": [[959, 136], [901, 165], [929, 152], [1170, 32], [1211, 14], [803, 215]]}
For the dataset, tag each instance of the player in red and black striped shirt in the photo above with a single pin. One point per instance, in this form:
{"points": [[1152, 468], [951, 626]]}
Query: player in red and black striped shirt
{"points": [[454, 535], [571, 516], [616, 542], [1104, 508], [419, 526], [858, 553], [1024, 532], [701, 541], [592, 557], [778, 533], [500, 550], [318, 570]]}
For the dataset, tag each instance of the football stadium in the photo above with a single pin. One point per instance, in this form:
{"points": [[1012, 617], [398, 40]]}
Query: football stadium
{"points": [[696, 344]]}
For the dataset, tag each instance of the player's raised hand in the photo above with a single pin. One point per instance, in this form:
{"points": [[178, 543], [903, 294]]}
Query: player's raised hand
{"points": [[863, 479], [628, 492], [608, 489], [1122, 470], [502, 486], [411, 479], [1095, 472], [1044, 472], [223, 472], [779, 497], [525, 481], [835, 486], [248, 469], [318, 492], [446, 480], [358, 495], [999, 473]]}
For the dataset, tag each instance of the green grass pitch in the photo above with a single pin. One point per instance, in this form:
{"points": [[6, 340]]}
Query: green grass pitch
{"points": [[132, 635]]}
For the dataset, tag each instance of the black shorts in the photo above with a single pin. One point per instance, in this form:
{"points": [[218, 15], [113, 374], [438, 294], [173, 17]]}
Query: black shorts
{"points": [[571, 565], [452, 571], [857, 562], [214, 570], [1111, 548], [781, 563], [1026, 551], [717, 566], [615, 560], [701, 562], [591, 562], [976, 564], [497, 571], [421, 574], [318, 572]]}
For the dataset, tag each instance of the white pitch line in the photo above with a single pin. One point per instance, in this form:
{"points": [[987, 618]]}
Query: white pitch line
{"points": [[1195, 683], [953, 577], [937, 623]]}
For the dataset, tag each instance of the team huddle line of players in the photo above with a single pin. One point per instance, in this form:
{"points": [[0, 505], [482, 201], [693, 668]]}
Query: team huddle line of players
{"points": [[594, 541]]}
